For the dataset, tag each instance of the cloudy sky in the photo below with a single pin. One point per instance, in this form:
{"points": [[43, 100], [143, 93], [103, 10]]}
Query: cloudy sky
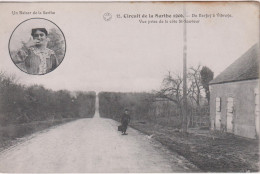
{"points": [[124, 55]]}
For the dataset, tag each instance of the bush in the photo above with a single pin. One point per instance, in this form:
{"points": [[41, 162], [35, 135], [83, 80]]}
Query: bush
{"points": [[20, 104]]}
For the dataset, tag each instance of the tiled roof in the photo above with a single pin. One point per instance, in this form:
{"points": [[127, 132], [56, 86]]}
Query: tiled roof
{"points": [[244, 68]]}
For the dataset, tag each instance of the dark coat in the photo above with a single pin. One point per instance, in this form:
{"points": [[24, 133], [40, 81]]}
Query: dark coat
{"points": [[125, 119]]}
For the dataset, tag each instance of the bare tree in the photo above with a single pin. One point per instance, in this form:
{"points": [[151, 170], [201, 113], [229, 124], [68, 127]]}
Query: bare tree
{"points": [[196, 86], [172, 90]]}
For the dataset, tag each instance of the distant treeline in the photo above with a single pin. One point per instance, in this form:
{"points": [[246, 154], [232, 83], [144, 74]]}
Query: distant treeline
{"points": [[165, 106], [112, 104], [23, 104], [143, 107]]}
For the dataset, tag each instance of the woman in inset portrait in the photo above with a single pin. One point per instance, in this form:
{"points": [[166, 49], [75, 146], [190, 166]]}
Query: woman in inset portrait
{"points": [[37, 58]]}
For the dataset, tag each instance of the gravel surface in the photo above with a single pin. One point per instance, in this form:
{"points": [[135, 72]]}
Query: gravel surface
{"points": [[90, 145]]}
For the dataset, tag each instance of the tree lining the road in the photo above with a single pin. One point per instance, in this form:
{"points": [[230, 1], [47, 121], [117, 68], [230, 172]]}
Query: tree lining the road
{"points": [[24, 104], [112, 104], [165, 105], [206, 76], [143, 107], [198, 77]]}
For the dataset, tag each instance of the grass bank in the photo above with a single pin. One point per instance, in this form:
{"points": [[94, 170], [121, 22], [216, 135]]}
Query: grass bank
{"points": [[211, 152]]}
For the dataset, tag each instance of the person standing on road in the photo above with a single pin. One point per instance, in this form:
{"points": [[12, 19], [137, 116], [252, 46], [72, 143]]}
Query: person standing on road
{"points": [[125, 119]]}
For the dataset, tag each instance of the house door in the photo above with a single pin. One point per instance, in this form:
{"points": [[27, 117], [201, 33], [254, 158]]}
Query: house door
{"points": [[218, 114], [230, 114], [257, 111]]}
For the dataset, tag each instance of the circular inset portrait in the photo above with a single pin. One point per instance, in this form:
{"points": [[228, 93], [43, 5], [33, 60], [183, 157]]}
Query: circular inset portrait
{"points": [[37, 46]]}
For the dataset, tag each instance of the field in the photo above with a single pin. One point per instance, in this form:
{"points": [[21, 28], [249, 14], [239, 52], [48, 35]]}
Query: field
{"points": [[209, 151]]}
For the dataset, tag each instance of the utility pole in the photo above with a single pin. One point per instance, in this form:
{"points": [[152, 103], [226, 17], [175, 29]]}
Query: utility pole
{"points": [[184, 112]]}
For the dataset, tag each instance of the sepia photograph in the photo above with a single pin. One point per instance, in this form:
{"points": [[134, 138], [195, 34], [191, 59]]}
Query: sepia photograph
{"points": [[35, 49], [129, 87]]}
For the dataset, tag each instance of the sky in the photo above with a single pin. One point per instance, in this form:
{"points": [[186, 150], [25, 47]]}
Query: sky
{"points": [[124, 55]]}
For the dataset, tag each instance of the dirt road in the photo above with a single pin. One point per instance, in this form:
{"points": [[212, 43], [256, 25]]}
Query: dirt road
{"points": [[90, 145]]}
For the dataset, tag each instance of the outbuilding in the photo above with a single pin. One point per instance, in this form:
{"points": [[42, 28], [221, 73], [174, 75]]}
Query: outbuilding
{"points": [[234, 96]]}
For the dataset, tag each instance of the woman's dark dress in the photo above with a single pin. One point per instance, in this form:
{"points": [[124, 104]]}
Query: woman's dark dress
{"points": [[124, 121]]}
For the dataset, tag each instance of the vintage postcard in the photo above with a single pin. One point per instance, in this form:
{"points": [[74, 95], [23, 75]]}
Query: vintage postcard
{"points": [[129, 87]]}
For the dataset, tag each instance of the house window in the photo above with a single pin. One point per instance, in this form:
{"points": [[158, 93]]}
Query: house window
{"points": [[230, 105], [257, 111], [257, 101], [218, 104]]}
